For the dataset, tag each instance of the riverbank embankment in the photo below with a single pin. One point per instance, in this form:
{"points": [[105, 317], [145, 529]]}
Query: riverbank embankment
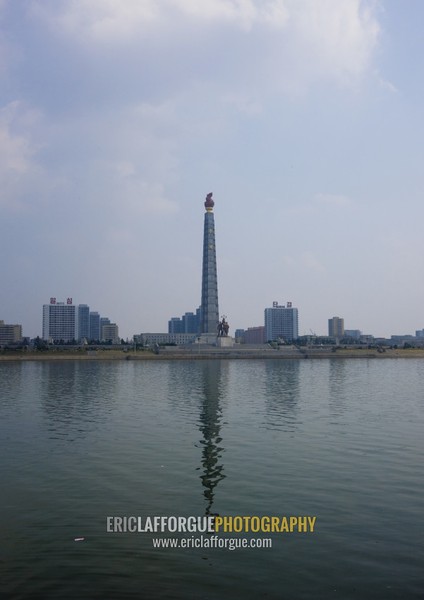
{"points": [[210, 352]]}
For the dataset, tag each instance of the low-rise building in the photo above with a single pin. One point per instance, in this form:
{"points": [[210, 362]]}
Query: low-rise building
{"points": [[255, 335], [10, 334], [239, 336], [352, 333], [150, 339], [110, 333], [402, 339]]}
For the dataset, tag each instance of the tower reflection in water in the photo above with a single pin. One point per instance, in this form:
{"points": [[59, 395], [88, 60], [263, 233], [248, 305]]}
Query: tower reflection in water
{"points": [[210, 427]]}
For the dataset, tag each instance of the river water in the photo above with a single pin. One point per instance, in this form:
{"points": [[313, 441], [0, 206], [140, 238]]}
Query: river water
{"points": [[338, 439]]}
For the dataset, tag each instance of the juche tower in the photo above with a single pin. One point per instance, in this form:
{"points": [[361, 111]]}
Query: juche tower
{"points": [[209, 305]]}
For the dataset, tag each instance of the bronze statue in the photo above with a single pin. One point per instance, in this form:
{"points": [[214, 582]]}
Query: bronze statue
{"points": [[223, 327]]}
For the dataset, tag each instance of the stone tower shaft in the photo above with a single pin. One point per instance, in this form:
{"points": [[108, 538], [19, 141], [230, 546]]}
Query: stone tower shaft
{"points": [[209, 305]]}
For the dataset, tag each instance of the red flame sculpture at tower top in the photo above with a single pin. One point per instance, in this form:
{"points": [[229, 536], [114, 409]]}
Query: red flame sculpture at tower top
{"points": [[209, 204]]}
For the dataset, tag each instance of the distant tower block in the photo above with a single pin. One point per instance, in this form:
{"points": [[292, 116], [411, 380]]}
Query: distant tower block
{"points": [[209, 306]]}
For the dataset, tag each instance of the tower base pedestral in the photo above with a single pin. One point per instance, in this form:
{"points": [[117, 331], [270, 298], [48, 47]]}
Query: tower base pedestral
{"points": [[225, 341], [207, 338]]}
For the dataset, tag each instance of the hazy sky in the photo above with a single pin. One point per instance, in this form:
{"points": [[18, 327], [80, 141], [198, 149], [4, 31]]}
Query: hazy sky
{"points": [[303, 117]]}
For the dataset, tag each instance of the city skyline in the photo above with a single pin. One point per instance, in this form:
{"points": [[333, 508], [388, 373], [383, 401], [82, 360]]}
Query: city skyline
{"points": [[305, 119], [66, 322]]}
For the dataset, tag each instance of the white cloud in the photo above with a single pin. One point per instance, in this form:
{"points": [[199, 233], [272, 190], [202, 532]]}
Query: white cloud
{"points": [[243, 103], [319, 203], [340, 35], [387, 85], [284, 44], [305, 261], [18, 167], [123, 161], [118, 19], [135, 196], [334, 200], [16, 150], [310, 261]]}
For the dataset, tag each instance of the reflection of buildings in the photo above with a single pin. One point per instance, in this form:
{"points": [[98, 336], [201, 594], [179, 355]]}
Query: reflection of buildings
{"points": [[338, 387], [210, 427], [74, 395], [282, 391], [197, 391]]}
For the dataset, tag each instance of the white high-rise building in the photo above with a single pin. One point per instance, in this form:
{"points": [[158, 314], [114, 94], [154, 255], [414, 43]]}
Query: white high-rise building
{"points": [[281, 323], [60, 321]]}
